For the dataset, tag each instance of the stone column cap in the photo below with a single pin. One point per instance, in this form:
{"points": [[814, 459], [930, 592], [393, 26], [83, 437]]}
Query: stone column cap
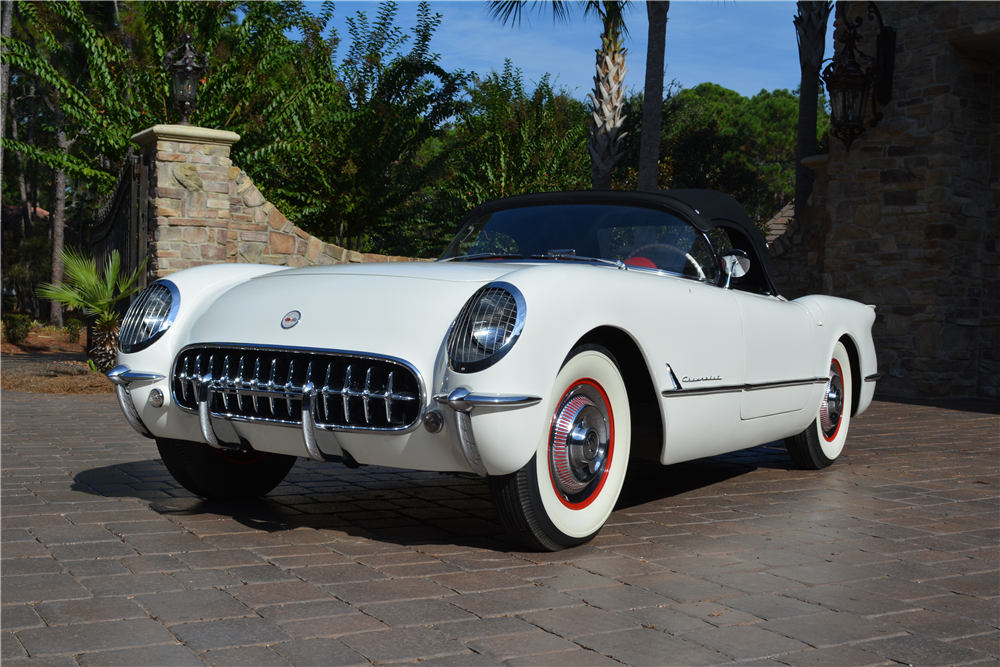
{"points": [[814, 162], [188, 134]]}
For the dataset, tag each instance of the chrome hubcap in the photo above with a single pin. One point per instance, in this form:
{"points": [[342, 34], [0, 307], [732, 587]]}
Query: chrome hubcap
{"points": [[833, 403], [580, 441]]}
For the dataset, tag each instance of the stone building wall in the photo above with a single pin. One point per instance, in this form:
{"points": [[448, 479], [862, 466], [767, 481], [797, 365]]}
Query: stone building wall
{"points": [[205, 210], [912, 209]]}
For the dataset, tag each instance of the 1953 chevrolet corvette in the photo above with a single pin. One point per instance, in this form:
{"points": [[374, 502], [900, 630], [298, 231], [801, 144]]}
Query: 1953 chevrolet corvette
{"points": [[559, 336]]}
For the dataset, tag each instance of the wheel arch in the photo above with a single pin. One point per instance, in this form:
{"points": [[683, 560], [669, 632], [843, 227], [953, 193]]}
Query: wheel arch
{"points": [[856, 380], [644, 404]]}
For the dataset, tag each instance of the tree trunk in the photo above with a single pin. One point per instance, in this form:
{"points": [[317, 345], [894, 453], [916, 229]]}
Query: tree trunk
{"points": [[22, 184], [5, 20], [58, 217], [810, 29], [652, 105], [607, 100]]}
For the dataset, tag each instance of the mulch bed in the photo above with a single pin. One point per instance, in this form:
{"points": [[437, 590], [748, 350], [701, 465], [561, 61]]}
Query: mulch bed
{"points": [[46, 340], [50, 377], [57, 377]]}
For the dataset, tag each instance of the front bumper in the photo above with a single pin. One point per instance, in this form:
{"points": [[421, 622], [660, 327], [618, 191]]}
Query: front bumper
{"points": [[456, 410]]}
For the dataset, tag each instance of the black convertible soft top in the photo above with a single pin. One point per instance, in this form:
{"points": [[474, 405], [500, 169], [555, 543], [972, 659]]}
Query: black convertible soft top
{"points": [[705, 209]]}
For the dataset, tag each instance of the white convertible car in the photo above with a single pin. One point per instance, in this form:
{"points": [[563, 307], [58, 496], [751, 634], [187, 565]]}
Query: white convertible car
{"points": [[558, 337]]}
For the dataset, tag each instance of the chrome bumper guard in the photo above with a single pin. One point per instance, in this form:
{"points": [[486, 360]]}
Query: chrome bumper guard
{"points": [[462, 401], [122, 377], [207, 385]]}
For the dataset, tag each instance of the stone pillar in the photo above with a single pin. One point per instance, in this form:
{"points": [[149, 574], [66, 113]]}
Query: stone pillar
{"points": [[189, 195]]}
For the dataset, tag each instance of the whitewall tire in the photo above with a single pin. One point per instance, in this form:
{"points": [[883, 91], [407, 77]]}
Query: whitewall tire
{"points": [[822, 442], [565, 493]]}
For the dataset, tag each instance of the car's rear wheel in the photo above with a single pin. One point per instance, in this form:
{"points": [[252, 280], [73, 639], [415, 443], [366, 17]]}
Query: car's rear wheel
{"points": [[223, 475], [822, 442], [566, 492]]}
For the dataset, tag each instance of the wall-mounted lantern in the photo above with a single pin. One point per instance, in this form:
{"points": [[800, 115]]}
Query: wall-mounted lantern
{"points": [[186, 73], [851, 84]]}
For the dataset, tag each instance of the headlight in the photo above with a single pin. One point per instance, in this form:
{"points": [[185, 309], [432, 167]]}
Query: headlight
{"points": [[487, 328], [149, 316]]}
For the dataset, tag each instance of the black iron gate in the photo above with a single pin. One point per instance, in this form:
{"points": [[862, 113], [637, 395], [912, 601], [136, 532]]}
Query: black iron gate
{"points": [[121, 224]]}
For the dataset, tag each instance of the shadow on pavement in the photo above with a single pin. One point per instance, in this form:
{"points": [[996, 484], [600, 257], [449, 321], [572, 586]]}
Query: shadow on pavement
{"points": [[391, 505]]}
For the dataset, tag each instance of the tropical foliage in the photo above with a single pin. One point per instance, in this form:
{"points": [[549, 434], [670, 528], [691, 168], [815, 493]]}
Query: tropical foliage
{"points": [[380, 150], [95, 293]]}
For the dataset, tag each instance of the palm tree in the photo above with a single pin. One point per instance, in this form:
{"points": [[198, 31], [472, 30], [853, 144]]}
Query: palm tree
{"points": [[95, 294], [608, 96], [652, 103], [810, 29]]}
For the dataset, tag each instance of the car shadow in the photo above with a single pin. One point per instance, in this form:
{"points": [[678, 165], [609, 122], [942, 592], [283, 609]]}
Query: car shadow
{"points": [[398, 506], [648, 482]]}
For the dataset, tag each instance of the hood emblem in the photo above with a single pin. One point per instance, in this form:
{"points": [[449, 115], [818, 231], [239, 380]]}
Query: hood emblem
{"points": [[291, 319]]}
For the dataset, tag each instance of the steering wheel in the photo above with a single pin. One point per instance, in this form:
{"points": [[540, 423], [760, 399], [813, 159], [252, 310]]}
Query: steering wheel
{"points": [[638, 252]]}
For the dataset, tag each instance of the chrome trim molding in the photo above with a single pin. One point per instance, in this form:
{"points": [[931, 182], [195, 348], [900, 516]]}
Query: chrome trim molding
{"points": [[728, 389], [462, 401], [235, 385], [128, 409], [309, 426], [122, 375], [874, 377]]}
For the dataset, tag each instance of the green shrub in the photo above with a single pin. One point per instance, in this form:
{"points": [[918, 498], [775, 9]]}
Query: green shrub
{"points": [[16, 328], [73, 328]]}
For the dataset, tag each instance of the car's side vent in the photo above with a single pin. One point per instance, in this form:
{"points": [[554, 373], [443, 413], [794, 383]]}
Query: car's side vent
{"points": [[350, 391]]}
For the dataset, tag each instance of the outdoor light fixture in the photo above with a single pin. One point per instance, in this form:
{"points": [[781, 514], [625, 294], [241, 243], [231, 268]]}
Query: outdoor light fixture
{"points": [[186, 73], [851, 84]]}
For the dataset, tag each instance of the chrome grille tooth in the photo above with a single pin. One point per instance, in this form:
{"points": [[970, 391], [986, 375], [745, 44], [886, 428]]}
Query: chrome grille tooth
{"points": [[239, 384], [388, 400], [183, 377], [366, 395], [225, 380], [210, 371], [255, 384], [270, 383], [326, 392], [196, 378], [289, 385], [345, 393]]}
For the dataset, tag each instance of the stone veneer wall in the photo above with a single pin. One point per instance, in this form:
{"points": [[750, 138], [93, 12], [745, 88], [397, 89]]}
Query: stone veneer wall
{"points": [[204, 210], [911, 212]]}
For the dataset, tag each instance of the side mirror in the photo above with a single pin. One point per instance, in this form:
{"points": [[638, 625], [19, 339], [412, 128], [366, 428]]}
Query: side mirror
{"points": [[735, 264]]}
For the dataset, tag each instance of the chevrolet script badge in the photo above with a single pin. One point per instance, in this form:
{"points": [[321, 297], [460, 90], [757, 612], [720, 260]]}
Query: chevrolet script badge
{"points": [[291, 319]]}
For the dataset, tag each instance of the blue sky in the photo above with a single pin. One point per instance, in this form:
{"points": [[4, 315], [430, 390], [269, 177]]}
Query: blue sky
{"points": [[746, 45]]}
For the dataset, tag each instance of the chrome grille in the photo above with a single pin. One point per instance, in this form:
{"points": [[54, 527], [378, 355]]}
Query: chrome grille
{"points": [[351, 391]]}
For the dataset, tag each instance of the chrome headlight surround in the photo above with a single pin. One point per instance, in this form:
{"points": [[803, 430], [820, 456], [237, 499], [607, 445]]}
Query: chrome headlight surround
{"points": [[149, 316], [487, 327]]}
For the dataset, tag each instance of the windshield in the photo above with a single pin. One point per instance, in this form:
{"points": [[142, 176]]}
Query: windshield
{"points": [[639, 237]]}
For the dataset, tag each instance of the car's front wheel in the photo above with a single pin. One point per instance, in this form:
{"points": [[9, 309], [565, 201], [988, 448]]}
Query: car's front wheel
{"points": [[566, 492], [220, 474], [822, 442]]}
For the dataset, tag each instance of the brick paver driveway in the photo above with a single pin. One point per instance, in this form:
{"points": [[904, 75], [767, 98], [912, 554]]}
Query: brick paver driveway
{"points": [[890, 556]]}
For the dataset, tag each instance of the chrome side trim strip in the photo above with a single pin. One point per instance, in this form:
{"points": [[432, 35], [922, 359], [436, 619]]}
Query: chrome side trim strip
{"points": [[729, 389], [874, 377]]}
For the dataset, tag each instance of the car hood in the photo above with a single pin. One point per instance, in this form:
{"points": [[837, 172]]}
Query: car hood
{"points": [[396, 309]]}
